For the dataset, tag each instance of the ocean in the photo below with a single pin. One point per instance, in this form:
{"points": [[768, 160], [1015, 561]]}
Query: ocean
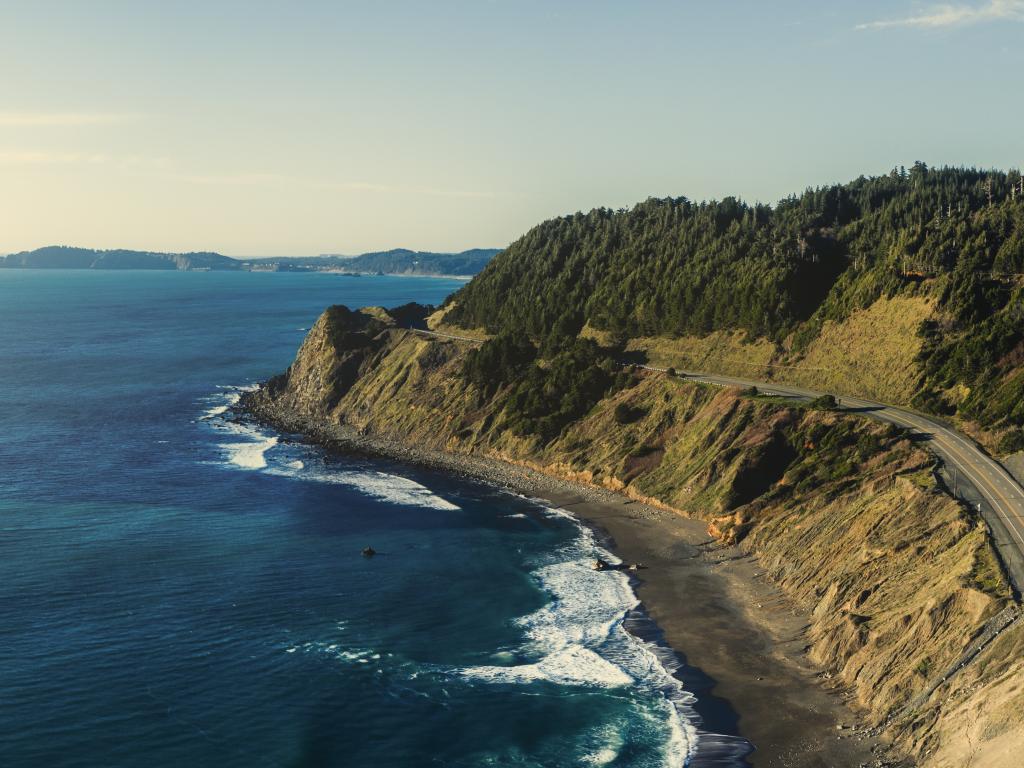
{"points": [[178, 588]]}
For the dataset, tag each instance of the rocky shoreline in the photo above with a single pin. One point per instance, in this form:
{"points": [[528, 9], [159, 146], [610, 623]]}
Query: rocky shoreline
{"points": [[347, 440]]}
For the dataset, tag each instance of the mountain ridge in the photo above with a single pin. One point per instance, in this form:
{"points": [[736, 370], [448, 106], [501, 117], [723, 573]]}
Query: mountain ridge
{"points": [[394, 261]]}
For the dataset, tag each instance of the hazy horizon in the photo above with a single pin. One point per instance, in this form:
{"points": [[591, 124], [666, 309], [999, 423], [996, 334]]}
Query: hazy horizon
{"points": [[245, 256], [259, 129]]}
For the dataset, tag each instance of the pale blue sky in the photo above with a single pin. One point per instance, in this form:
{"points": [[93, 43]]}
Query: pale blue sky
{"points": [[269, 128]]}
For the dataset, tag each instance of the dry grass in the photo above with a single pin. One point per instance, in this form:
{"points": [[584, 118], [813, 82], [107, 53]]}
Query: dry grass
{"points": [[724, 352], [436, 322], [871, 353]]}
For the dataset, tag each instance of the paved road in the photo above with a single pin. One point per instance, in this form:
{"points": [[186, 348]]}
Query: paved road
{"points": [[979, 478], [987, 482]]}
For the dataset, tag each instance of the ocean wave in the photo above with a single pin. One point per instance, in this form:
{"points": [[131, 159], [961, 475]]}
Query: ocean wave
{"points": [[250, 455], [304, 463], [217, 410], [608, 744], [572, 665], [375, 484], [221, 402], [339, 652], [249, 452]]}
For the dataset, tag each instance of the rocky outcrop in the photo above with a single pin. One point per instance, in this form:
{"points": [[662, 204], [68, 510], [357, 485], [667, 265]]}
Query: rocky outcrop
{"points": [[909, 612]]}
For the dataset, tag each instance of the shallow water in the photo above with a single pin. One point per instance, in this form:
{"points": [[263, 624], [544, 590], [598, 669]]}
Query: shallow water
{"points": [[180, 589]]}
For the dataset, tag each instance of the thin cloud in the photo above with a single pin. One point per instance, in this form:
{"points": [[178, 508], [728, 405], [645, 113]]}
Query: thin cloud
{"points": [[233, 179], [52, 158], [942, 16], [62, 119], [274, 179], [127, 162], [364, 186]]}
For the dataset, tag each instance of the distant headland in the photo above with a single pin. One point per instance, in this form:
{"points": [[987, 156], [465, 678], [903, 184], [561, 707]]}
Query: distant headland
{"points": [[399, 261]]}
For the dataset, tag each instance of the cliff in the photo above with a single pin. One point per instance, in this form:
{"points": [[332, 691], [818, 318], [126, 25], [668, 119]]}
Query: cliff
{"points": [[909, 612]]}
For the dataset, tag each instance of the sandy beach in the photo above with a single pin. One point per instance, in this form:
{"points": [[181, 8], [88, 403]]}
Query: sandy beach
{"points": [[711, 602]]}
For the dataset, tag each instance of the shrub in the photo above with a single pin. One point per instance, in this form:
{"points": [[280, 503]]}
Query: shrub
{"points": [[627, 414], [498, 362], [1012, 441], [823, 403]]}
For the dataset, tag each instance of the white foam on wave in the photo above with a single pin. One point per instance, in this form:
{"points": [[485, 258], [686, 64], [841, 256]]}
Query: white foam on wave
{"points": [[302, 463], [339, 652], [221, 402], [572, 665], [250, 451], [587, 605], [378, 485], [249, 455], [217, 410], [398, 490], [609, 743]]}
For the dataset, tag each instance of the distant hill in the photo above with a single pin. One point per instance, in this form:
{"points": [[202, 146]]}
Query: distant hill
{"points": [[399, 261], [63, 257]]}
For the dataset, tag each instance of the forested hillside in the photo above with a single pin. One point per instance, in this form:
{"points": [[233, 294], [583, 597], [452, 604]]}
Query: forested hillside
{"points": [[402, 261], [678, 268], [398, 261]]}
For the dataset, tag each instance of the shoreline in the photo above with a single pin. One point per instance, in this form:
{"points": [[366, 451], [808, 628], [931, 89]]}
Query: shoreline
{"points": [[462, 278], [738, 632]]}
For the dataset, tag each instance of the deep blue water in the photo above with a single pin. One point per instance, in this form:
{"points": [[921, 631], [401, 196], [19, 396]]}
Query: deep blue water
{"points": [[180, 590]]}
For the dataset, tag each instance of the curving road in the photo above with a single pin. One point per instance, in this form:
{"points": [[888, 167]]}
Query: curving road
{"points": [[977, 477]]}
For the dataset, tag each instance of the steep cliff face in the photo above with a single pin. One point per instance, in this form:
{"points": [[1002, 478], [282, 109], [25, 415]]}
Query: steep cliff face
{"points": [[909, 610], [330, 360]]}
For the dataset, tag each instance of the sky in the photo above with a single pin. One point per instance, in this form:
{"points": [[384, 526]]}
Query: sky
{"points": [[297, 128]]}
